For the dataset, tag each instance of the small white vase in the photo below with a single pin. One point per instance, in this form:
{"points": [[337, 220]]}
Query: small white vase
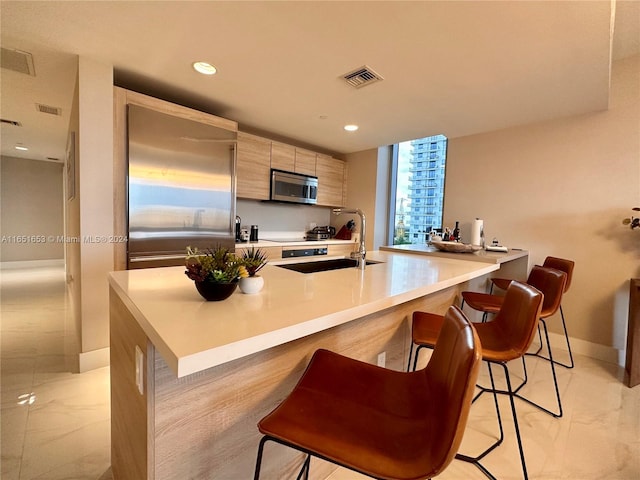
{"points": [[251, 285]]}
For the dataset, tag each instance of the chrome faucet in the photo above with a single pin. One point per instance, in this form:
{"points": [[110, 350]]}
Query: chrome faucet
{"points": [[362, 251]]}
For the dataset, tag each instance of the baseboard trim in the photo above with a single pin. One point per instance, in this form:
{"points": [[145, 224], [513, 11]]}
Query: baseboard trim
{"points": [[588, 349], [93, 359], [22, 264]]}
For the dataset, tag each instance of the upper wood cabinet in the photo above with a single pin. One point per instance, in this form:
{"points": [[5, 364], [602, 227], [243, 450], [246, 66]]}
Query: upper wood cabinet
{"points": [[253, 167], [256, 156], [305, 162], [293, 159], [331, 174], [283, 156]]}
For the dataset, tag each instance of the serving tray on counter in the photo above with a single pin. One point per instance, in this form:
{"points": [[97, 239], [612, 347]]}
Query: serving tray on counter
{"points": [[456, 247]]}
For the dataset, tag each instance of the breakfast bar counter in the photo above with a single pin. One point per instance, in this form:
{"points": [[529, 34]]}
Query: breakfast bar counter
{"points": [[481, 255], [190, 379]]}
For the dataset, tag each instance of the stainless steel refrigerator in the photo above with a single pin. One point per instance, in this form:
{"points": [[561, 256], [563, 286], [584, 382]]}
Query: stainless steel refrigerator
{"points": [[181, 187]]}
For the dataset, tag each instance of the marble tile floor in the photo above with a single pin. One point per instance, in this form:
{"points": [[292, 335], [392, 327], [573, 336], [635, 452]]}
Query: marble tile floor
{"points": [[55, 425], [598, 436]]}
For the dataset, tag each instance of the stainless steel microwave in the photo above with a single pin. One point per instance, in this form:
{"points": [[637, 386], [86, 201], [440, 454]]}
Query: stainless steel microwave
{"points": [[293, 187]]}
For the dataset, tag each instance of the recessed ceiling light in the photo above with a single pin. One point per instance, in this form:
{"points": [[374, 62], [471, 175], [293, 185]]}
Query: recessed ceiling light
{"points": [[20, 147], [351, 128], [204, 68]]}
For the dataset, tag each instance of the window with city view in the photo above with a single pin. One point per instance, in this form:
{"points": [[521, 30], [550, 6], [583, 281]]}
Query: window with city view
{"points": [[419, 193]]}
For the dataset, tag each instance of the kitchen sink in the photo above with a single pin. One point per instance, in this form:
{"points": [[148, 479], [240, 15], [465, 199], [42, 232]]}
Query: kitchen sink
{"points": [[323, 265]]}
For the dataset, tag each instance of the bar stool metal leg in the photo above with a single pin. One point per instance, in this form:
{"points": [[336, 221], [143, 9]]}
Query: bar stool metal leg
{"points": [[516, 391], [557, 414], [566, 338], [476, 460], [515, 421], [410, 354], [511, 393], [256, 474], [467, 458], [304, 471]]}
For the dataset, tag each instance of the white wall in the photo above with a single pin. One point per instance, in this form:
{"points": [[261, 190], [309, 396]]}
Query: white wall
{"points": [[368, 190], [562, 188], [32, 210], [383, 171], [280, 217], [90, 213], [73, 323]]}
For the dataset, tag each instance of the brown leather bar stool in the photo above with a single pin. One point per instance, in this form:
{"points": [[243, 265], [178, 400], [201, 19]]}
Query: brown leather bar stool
{"points": [[567, 267], [379, 422], [506, 338], [551, 283]]}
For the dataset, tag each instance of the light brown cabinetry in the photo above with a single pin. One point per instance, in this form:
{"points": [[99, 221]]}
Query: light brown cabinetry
{"points": [[256, 156], [331, 179], [344, 249], [292, 159], [272, 253], [253, 167], [305, 162], [283, 156]]}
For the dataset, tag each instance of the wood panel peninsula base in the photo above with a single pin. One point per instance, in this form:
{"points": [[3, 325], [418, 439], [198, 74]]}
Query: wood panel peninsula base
{"points": [[211, 370]]}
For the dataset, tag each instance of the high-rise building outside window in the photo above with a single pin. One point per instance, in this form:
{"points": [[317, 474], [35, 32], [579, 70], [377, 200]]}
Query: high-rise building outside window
{"points": [[409, 223]]}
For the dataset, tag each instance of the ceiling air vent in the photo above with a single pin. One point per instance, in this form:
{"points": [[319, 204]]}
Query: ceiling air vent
{"points": [[10, 122], [48, 109], [361, 77], [18, 61]]}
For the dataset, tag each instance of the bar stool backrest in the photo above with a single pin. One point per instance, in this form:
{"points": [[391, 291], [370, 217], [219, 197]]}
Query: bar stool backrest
{"points": [[451, 374], [517, 319], [563, 265], [551, 283]]}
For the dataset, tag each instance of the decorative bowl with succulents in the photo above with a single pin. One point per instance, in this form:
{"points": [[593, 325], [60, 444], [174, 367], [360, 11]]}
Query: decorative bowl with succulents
{"points": [[215, 271]]}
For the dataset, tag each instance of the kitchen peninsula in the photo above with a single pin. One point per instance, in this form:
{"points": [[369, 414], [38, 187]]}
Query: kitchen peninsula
{"points": [[512, 255], [208, 371]]}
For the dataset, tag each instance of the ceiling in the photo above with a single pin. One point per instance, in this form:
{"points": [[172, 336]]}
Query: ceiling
{"points": [[451, 67]]}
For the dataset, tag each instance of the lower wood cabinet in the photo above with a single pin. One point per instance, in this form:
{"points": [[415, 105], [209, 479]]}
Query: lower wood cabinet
{"points": [[275, 253], [272, 253], [342, 249]]}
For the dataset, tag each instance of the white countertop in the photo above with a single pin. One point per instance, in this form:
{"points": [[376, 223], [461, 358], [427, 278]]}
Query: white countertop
{"points": [[192, 334], [479, 256]]}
